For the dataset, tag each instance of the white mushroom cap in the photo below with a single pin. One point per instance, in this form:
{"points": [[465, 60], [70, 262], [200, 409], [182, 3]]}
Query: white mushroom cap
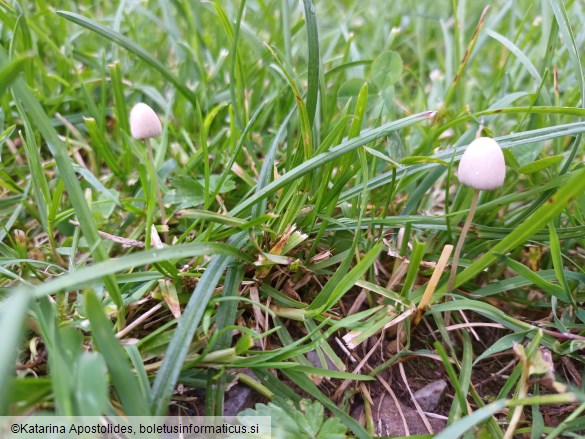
{"points": [[482, 166], [144, 123]]}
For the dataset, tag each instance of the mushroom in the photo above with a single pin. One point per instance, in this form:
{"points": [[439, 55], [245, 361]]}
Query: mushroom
{"points": [[144, 125], [483, 168]]}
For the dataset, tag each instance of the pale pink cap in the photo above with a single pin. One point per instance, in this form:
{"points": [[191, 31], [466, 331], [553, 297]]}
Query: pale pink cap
{"points": [[144, 123], [482, 166]]}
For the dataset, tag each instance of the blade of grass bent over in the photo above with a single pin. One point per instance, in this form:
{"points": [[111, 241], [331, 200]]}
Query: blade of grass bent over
{"points": [[132, 47], [85, 275]]}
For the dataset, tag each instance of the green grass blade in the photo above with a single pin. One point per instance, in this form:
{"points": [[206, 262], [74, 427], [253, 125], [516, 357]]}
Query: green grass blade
{"points": [[168, 373], [474, 420], [557, 258], [120, 107], [504, 343], [138, 364], [276, 386], [268, 165], [319, 160], [13, 313], [227, 311], [346, 283], [491, 312], [125, 382], [238, 147], [86, 275], [63, 348], [39, 181], [235, 63], [460, 403], [306, 132], [330, 373], [569, 40], [416, 257], [101, 145], [518, 53], [537, 280], [91, 384], [314, 62], [522, 281], [10, 71], [132, 47]]}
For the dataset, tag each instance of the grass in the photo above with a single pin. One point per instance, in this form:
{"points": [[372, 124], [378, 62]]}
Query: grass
{"points": [[298, 139]]}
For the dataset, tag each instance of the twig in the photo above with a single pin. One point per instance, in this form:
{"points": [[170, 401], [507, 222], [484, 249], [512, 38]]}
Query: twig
{"points": [[126, 243], [139, 320]]}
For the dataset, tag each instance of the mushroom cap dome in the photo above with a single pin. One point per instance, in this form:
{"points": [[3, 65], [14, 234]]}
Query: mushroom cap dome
{"points": [[144, 123], [482, 165]]}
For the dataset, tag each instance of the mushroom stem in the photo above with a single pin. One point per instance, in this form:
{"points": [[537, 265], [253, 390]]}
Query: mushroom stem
{"points": [[461, 240], [159, 200]]}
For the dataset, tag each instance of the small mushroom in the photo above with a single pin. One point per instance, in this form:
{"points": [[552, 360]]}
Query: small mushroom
{"points": [[483, 168], [144, 125]]}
